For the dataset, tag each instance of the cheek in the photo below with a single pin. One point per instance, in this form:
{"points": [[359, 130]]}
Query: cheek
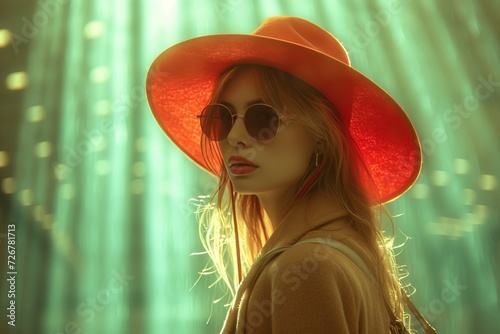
{"points": [[296, 159], [293, 156], [223, 147]]}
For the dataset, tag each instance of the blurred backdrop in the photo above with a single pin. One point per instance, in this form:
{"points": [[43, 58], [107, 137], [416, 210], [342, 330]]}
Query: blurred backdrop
{"points": [[97, 199]]}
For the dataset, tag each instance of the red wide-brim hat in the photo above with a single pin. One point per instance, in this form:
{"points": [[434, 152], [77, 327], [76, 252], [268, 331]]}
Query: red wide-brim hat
{"points": [[181, 80]]}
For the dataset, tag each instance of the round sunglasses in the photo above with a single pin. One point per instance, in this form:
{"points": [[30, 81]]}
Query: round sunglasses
{"points": [[261, 121]]}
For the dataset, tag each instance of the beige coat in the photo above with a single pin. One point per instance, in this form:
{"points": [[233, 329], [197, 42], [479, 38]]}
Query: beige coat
{"points": [[308, 288]]}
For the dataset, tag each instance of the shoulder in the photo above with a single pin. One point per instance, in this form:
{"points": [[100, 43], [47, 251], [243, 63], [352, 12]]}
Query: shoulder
{"points": [[317, 268], [317, 256], [317, 282]]}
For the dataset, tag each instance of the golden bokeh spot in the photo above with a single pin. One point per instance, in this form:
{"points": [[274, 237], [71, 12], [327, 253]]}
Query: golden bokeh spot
{"points": [[17, 81], [461, 166], [99, 74], [4, 159], [68, 191], [487, 182], [420, 191], [35, 114], [102, 167], [102, 107], [43, 149], [8, 185], [26, 197], [4, 38], [93, 29], [440, 178]]}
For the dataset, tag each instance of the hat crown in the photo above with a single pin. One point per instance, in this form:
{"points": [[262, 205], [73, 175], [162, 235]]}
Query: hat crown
{"points": [[302, 32]]}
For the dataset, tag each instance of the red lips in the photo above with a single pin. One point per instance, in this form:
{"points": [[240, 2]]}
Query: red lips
{"points": [[239, 165]]}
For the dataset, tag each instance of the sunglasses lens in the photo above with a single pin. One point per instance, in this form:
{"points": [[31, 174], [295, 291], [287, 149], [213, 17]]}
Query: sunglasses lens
{"points": [[216, 122], [262, 122]]}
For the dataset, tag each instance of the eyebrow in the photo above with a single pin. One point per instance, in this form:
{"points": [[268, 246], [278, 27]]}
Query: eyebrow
{"points": [[248, 104]]}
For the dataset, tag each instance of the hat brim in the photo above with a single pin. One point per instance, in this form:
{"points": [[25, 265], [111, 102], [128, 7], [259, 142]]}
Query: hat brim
{"points": [[181, 80]]}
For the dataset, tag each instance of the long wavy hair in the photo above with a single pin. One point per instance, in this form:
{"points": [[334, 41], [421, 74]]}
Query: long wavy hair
{"points": [[338, 179]]}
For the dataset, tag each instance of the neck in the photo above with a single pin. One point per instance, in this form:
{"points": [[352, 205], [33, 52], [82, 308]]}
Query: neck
{"points": [[277, 206]]}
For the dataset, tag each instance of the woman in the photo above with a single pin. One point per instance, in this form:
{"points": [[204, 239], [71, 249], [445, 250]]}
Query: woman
{"points": [[306, 150]]}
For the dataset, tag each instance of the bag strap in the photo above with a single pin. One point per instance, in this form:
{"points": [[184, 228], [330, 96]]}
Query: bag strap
{"points": [[397, 327]]}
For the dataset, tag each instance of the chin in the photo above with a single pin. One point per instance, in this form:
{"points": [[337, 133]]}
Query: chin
{"points": [[246, 187], [245, 190]]}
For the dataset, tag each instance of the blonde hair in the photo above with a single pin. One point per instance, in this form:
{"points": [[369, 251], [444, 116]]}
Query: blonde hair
{"points": [[338, 179]]}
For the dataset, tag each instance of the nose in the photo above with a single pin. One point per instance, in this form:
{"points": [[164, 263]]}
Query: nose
{"points": [[238, 133]]}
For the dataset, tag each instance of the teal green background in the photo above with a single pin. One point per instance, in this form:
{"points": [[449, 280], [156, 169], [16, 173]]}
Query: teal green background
{"points": [[106, 237]]}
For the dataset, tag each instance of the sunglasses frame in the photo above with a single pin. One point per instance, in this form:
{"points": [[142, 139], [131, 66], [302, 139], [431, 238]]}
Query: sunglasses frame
{"points": [[236, 116]]}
